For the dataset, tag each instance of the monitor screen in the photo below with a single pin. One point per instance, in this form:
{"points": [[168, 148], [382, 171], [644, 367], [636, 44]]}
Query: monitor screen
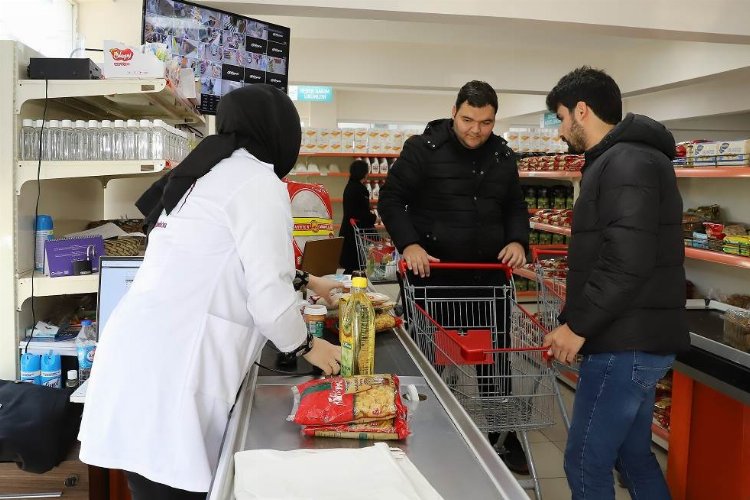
{"points": [[115, 276], [226, 51]]}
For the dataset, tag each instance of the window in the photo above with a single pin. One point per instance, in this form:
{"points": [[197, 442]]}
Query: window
{"points": [[47, 26]]}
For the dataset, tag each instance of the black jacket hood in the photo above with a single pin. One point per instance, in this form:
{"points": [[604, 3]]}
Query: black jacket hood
{"points": [[636, 128]]}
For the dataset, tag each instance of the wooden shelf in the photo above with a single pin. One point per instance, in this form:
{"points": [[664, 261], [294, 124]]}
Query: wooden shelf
{"points": [[127, 98], [27, 170], [713, 172], [550, 174], [718, 257], [549, 228], [44, 286]]}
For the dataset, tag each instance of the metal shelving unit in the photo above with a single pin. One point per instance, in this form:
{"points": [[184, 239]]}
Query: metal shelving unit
{"points": [[72, 191]]}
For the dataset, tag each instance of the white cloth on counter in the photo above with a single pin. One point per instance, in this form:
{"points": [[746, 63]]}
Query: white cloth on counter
{"points": [[329, 474]]}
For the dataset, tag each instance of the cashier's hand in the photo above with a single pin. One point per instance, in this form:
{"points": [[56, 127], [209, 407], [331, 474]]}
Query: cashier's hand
{"points": [[323, 287], [418, 260], [325, 356], [513, 255], [563, 344]]}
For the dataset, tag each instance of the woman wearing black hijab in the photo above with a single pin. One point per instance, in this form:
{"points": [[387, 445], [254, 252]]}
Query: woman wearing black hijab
{"points": [[215, 283], [356, 206]]}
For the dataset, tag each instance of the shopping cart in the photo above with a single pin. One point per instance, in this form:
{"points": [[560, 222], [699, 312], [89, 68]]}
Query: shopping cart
{"points": [[550, 281], [487, 349], [551, 268], [375, 254]]}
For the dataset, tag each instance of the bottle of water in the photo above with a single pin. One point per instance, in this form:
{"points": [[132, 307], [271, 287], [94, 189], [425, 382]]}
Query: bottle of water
{"points": [[52, 142], [66, 140], [25, 140], [118, 140], [105, 141], [144, 140], [130, 152], [157, 140], [92, 141], [38, 125], [80, 133], [85, 348]]}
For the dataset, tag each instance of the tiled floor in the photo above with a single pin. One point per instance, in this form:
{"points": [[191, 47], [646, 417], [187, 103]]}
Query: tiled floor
{"points": [[547, 448]]}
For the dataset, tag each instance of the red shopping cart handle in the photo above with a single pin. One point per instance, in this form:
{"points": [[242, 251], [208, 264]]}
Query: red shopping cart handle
{"points": [[353, 222], [472, 266], [537, 250]]}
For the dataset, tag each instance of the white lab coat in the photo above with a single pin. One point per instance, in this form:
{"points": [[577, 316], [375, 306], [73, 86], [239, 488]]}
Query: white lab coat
{"points": [[216, 282]]}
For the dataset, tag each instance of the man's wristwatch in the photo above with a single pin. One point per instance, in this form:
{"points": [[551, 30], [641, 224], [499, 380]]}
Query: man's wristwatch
{"points": [[305, 347]]}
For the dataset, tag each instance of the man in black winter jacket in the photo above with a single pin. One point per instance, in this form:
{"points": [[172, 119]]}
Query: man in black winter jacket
{"points": [[625, 299], [454, 195]]}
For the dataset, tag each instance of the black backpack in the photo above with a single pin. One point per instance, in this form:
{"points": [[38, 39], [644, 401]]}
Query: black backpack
{"points": [[38, 425]]}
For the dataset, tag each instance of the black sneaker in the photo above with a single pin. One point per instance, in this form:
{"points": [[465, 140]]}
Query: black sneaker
{"points": [[513, 456]]}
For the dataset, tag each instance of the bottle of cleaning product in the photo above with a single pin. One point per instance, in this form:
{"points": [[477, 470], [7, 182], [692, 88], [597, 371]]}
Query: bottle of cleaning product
{"points": [[85, 348], [31, 368], [357, 331], [51, 370]]}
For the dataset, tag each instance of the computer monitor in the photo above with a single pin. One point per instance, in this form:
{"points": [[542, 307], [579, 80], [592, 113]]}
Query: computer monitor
{"points": [[115, 276], [226, 51]]}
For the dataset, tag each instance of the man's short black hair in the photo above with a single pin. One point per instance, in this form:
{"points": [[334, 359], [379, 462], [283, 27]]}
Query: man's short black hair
{"points": [[358, 170], [592, 86], [477, 94]]}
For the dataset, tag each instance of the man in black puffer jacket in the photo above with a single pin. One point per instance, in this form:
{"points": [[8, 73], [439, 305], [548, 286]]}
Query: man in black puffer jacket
{"points": [[454, 195], [625, 289]]}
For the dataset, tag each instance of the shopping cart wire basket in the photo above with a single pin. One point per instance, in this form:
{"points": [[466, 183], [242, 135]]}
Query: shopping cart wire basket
{"points": [[375, 254], [487, 349]]}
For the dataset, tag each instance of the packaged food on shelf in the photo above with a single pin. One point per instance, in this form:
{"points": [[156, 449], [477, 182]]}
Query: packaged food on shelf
{"points": [[737, 329]]}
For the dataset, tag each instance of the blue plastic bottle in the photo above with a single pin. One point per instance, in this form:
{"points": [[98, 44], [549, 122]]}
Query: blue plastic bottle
{"points": [[86, 348], [51, 370], [31, 368]]}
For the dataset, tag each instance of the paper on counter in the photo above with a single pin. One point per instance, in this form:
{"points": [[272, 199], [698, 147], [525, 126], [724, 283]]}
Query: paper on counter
{"points": [[329, 474]]}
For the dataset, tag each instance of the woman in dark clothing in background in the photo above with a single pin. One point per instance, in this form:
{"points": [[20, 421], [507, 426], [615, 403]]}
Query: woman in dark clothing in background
{"points": [[356, 206]]}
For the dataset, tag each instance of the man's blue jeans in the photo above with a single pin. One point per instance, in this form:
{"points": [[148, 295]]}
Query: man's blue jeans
{"points": [[611, 426]]}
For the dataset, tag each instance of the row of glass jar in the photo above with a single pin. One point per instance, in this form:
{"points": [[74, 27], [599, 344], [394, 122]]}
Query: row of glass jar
{"points": [[69, 140]]}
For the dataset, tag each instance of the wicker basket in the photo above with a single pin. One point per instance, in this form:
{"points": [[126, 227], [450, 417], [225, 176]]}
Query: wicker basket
{"points": [[126, 246]]}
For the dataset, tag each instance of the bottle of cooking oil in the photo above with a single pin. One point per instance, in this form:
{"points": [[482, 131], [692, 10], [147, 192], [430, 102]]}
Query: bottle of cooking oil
{"points": [[357, 331]]}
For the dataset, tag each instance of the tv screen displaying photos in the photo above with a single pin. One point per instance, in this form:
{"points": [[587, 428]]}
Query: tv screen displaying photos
{"points": [[225, 51]]}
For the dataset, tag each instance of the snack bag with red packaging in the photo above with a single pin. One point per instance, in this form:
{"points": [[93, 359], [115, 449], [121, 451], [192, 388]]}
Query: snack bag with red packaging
{"points": [[343, 400]]}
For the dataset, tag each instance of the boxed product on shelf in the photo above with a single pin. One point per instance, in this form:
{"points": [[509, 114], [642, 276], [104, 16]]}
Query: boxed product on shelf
{"points": [[733, 153], [324, 141], [334, 140], [309, 140], [347, 140]]}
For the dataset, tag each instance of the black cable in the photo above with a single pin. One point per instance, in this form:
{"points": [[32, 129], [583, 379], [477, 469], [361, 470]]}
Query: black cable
{"points": [[36, 214]]}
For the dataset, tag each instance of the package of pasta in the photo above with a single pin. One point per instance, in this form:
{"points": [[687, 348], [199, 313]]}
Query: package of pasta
{"points": [[393, 429], [343, 400]]}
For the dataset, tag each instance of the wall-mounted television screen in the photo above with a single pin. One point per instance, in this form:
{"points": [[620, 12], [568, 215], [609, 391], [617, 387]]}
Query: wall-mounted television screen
{"points": [[226, 51]]}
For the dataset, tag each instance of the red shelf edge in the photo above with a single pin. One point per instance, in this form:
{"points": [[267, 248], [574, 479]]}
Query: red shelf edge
{"points": [[718, 257], [550, 228]]}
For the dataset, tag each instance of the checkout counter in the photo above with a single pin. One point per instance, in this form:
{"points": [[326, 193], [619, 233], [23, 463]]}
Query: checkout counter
{"points": [[445, 445], [709, 439]]}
